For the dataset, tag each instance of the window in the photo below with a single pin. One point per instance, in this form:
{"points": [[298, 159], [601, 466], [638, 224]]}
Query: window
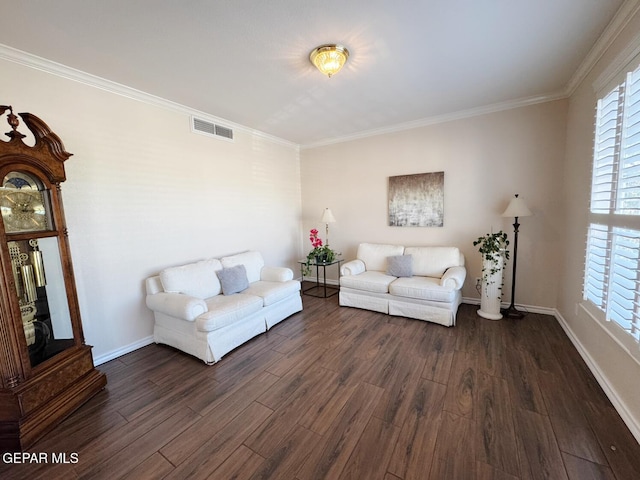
{"points": [[612, 278]]}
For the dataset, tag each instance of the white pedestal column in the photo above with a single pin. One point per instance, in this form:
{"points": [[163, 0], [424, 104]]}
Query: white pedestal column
{"points": [[491, 295]]}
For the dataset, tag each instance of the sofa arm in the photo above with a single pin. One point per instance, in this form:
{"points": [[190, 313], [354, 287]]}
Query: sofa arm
{"points": [[276, 274], [454, 277], [353, 267], [177, 305]]}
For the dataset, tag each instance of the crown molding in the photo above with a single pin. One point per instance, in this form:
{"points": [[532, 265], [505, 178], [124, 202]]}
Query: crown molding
{"points": [[620, 20], [449, 117], [618, 65], [48, 66]]}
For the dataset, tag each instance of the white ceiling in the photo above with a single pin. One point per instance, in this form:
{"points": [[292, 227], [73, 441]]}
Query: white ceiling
{"points": [[246, 61]]}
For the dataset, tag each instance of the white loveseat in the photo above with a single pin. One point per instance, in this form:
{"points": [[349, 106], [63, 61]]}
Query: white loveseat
{"points": [[210, 307], [417, 282]]}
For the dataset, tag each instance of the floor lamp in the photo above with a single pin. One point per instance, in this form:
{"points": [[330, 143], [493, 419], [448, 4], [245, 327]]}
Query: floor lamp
{"points": [[516, 208], [327, 218]]}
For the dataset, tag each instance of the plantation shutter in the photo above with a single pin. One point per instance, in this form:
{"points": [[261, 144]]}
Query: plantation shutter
{"points": [[629, 188], [597, 274], [612, 279], [607, 147], [623, 307]]}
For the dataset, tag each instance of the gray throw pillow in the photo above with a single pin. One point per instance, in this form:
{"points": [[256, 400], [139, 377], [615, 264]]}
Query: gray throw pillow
{"points": [[400, 265], [233, 279]]}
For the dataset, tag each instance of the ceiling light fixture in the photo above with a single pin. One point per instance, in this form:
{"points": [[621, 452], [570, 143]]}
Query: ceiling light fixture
{"points": [[329, 59]]}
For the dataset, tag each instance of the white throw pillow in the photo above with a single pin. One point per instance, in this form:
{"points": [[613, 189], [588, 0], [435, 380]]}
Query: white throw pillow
{"points": [[433, 261], [375, 255], [194, 279], [252, 262]]}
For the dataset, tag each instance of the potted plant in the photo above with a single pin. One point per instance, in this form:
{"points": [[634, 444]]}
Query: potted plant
{"points": [[319, 254], [493, 248]]}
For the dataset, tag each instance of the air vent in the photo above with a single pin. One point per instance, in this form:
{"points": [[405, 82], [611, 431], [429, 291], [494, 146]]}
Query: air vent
{"points": [[224, 132], [207, 128]]}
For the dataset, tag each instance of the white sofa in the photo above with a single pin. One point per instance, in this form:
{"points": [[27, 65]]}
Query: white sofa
{"points": [[197, 312], [416, 282]]}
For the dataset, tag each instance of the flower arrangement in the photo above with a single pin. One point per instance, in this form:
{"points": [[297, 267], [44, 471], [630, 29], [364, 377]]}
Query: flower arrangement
{"points": [[320, 253]]}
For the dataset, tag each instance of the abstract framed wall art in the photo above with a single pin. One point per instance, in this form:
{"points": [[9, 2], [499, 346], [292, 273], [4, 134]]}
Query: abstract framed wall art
{"points": [[416, 200]]}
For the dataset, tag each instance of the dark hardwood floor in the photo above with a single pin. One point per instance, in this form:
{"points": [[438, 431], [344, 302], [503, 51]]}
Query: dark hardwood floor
{"points": [[340, 393]]}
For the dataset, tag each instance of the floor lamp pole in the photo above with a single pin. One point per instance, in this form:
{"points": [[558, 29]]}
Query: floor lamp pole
{"points": [[512, 311], [516, 209]]}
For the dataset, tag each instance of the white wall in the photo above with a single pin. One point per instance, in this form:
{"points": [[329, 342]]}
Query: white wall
{"points": [[486, 160], [143, 193], [617, 372]]}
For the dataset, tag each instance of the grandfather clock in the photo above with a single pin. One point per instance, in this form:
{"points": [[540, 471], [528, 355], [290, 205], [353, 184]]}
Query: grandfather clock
{"points": [[46, 369]]}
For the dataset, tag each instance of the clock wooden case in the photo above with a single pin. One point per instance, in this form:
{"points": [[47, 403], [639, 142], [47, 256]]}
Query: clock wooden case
{"points": [[46, 368]]}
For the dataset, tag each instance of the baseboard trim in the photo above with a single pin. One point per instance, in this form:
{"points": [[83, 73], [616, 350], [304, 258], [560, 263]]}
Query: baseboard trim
{"points": [[621, 407], [112, 355]]}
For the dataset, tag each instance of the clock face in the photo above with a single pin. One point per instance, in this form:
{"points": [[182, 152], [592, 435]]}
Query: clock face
{"points": [[22, 204]]}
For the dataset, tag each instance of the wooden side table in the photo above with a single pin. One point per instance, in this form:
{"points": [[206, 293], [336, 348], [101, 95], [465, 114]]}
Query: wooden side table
{"points": [[321, 289]]}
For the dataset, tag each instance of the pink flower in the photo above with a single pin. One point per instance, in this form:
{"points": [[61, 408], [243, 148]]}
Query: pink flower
{"points": [[314, 239]]}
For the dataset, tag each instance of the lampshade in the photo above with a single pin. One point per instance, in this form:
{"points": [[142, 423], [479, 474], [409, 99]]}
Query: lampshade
{"points": [[329, 59], [327, 216], [517, 208]]}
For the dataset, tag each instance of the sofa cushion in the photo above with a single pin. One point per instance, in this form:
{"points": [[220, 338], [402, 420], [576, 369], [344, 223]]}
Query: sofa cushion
{"points": [[400, 266], [375, 255], [227, 309], [273, 292], [433, 261], [423, 288], [195, 279], [369, 281], [233, 279], [252, 262]]}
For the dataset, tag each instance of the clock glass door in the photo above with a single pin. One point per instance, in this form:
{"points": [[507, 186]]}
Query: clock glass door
{"points": [[42, 296]]}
